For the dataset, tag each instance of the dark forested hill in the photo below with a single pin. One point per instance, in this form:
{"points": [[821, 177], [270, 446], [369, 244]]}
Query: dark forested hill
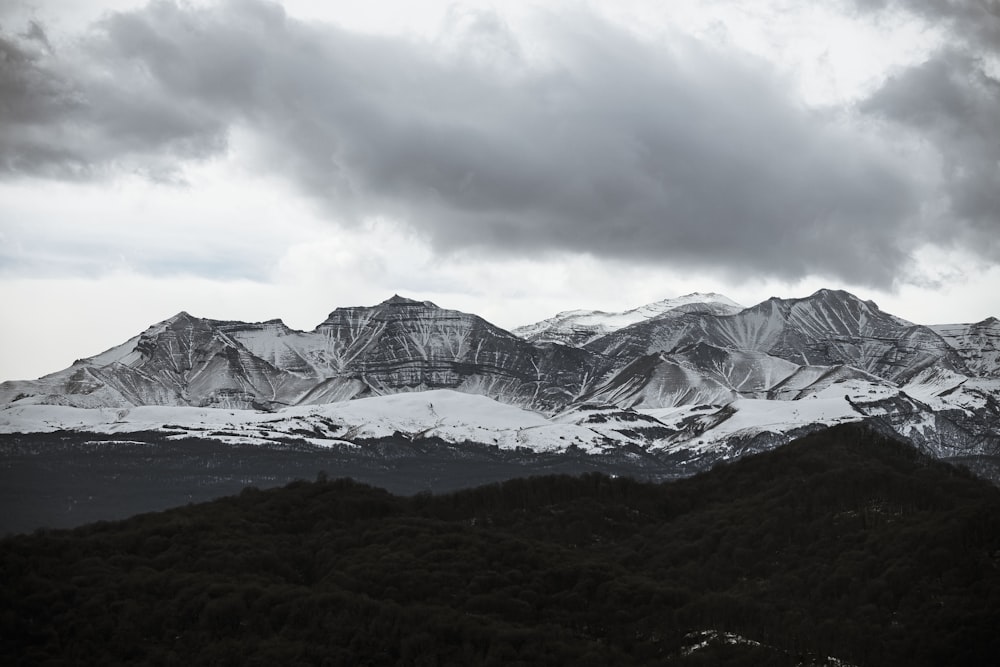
{"points": [[844, 544]]}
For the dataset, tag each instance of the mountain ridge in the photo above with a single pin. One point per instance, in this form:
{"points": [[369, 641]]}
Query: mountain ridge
{"points": [[689, 382], [578, 327], [826, 328], [398, 345]]}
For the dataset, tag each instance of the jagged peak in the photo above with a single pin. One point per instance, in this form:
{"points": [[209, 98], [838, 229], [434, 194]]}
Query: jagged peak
{"points": [[396, 300], [182, 316], [706, 296], [563, 314], [274, 324], [839, 295], [829, 297], [693, 297], [776, 303]]}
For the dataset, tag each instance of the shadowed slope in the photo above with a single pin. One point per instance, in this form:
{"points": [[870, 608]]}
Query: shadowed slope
{"points": [[842, 544]]}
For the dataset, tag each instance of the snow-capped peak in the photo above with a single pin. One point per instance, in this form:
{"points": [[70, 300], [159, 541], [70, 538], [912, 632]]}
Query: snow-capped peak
{"points": [[717, 304], [578, 327], [396, 300]]}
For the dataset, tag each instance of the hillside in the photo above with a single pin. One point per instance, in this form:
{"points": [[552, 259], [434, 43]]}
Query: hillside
{"points": [[844, 547], [579, 327], [399, 345], [684, 382]]}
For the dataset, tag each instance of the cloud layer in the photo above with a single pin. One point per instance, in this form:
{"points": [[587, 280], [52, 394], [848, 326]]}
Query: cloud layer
{"points": [[575, 137], [951, 102]]}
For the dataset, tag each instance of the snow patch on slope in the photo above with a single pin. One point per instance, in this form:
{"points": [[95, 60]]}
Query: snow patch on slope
{"points": [[978, 344], [446, 414], [579, 327], [747, 417]]}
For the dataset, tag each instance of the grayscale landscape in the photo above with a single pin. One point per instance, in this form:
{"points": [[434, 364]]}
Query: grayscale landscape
{"points": [[459, 332]]}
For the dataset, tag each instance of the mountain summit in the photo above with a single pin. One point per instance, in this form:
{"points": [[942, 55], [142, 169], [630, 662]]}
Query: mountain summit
{"points": [[579, 327], [827, 328], [396, 300], [398, 345], [698, 368]]}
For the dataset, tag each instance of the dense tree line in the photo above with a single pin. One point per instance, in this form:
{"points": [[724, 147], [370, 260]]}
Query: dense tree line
{"points": [[844, 544]]}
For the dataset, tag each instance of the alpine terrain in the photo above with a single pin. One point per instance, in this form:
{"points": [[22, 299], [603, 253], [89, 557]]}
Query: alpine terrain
{"points": [[673, 387]]}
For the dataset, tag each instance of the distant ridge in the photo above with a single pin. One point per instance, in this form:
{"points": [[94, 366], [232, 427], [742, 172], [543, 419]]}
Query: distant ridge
{"points": [[696, 379], [579, 327]]}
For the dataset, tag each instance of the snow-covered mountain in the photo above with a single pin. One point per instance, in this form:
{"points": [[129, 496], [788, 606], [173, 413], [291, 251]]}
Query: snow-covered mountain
{"points": [[701, 373], [977, 344], [690, 437], [579, 327], [688, 380], [825, 329], [398, 345]]}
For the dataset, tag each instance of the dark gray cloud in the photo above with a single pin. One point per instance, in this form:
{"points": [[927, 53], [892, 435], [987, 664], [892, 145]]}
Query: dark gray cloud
{"points": [[972, 24], [78, 111], [951, 101], [671, 151]]}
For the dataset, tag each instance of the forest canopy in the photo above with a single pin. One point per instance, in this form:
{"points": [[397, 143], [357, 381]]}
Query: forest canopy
{"points": [[844, 544]]}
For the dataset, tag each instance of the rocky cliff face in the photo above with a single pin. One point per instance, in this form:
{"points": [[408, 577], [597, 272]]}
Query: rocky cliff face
{"points": [[398, 345], [690, 385], [977, 344], [579, 327], [826, 329], [705, 374], [184, 360], [408, 345], [829, 344]]}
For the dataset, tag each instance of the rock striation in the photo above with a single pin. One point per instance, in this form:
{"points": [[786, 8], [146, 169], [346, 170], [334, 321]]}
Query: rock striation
{"points": [[397, 345], [670, 377]]}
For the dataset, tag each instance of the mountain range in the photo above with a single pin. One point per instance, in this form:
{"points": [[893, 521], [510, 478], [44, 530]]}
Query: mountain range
{"points": [[845, 547], [695, 379]]}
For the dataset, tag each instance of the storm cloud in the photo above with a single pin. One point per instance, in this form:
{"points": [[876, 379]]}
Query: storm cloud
{"points": [[952, 103], [971, 24], [597, 141]]}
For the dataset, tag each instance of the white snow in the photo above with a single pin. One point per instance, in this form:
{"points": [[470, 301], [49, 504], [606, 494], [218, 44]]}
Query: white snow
{"points": [[459, 417], [450, 415], [599, 322], [123, 354], [754, 416]]}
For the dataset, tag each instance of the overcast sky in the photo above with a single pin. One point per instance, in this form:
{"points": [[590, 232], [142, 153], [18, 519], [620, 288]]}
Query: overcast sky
{"points": [[247, 159]]}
